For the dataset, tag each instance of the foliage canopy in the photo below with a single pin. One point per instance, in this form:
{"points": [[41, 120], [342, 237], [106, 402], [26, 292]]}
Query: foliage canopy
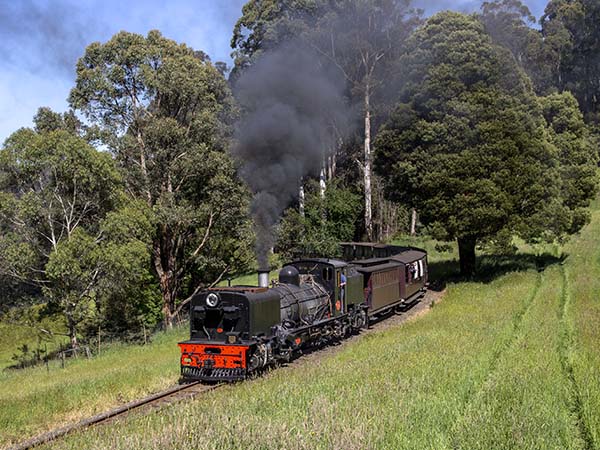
{"points": [[467, 143], [166, 112]]}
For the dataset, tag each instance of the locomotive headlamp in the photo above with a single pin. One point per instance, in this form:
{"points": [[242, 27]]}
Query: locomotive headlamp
{"points": [[212, 299]]}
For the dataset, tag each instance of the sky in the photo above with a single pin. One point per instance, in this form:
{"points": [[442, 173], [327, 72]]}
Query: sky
{"points": [[41, 40]]}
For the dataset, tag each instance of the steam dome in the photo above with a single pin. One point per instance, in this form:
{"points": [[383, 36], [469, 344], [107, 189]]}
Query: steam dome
{"points": [[289, 275]]}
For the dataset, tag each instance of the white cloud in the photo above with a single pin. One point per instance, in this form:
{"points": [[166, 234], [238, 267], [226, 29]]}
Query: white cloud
{"points": [[35, 68]]}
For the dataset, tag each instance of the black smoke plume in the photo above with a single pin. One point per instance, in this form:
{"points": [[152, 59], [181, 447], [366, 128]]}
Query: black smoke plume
{"points": [[61, 28], [290, 103]]}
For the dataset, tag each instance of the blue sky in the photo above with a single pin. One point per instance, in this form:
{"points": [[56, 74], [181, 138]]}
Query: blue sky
{"points": [[40, 41]]}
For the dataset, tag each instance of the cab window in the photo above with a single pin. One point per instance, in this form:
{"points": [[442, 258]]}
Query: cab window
{"points": [[327, 273]]}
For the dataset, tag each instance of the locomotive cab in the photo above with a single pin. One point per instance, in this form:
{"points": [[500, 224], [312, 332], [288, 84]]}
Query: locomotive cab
{"points": [[331, 273]]}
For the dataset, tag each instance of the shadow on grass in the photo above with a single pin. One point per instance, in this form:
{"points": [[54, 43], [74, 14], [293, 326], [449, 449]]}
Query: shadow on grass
{"points": [[489, 268]]}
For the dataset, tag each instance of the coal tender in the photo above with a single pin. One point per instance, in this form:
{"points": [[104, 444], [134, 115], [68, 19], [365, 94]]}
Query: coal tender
{"points": [[235, 331]]}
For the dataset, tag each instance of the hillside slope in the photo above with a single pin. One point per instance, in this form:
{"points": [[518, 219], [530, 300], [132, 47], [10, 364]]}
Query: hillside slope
{"points": [[509, 363]]}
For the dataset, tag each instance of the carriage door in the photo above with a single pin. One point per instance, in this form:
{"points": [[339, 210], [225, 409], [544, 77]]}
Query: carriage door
{"points": [[412, 278]]}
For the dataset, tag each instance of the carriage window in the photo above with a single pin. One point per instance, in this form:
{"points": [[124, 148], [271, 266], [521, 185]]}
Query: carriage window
{"points": [[414, 270]]}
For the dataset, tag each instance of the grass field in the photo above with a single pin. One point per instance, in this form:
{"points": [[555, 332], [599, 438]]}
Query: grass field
{"points": [[34, 400], [14, 335], [404, 388], [508, 362], [37, 399]]}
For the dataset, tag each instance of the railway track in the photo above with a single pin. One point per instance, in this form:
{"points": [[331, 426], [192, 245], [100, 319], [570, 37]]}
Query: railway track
{"points": [[187, 391], [149, 403]]}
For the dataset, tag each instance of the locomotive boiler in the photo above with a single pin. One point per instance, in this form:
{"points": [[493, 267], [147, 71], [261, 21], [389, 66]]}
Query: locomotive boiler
{"points": [[235, 331]]}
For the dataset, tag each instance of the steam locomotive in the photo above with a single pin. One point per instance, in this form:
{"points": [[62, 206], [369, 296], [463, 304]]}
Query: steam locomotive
{"points": [[236, 331]]}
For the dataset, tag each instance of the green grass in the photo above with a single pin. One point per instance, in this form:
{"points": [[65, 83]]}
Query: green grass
{"points": [[511, 361], [525, 401], [16, 333], [582, 327], [34, 400]]}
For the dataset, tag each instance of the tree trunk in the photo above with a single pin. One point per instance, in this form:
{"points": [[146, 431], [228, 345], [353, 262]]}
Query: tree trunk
{"points": [[168, 297], [301, 200], [338, 148], [413, 222], [378, 223], [332, 159], [466, 254], [72, 331], [367, 166], [167, 282], [143, 167], [322, 181], [168, 315]]}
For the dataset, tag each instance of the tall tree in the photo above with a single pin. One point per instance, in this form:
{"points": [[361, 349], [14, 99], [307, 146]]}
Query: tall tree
{"points": [[267, 24], [54, 191], [468, 142], [572, 50], [166, 112], [510, 24], [362, 39], [507, 22], [578, 158]]}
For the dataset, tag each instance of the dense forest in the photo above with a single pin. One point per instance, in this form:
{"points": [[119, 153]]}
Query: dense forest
{"points": [[340, 120]]}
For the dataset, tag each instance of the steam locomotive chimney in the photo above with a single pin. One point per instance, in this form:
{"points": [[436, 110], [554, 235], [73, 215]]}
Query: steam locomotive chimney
{"points": [[263, 277]]}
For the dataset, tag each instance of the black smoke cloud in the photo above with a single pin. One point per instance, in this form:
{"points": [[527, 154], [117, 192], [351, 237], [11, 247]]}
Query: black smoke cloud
{"points": [[290, 103], [61, 28]]}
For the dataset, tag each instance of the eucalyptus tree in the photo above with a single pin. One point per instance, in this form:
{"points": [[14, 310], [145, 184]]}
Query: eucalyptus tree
{"points": [[268, 24], [360, 38], [572, 50], [55, 189], [266, 27], [468, 143], [511, 25], [166, 113]]}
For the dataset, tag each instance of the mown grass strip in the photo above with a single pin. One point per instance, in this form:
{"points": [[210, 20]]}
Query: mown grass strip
{"points": [[401, 388], [583, 316], [526, 402], [565, 351]]}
